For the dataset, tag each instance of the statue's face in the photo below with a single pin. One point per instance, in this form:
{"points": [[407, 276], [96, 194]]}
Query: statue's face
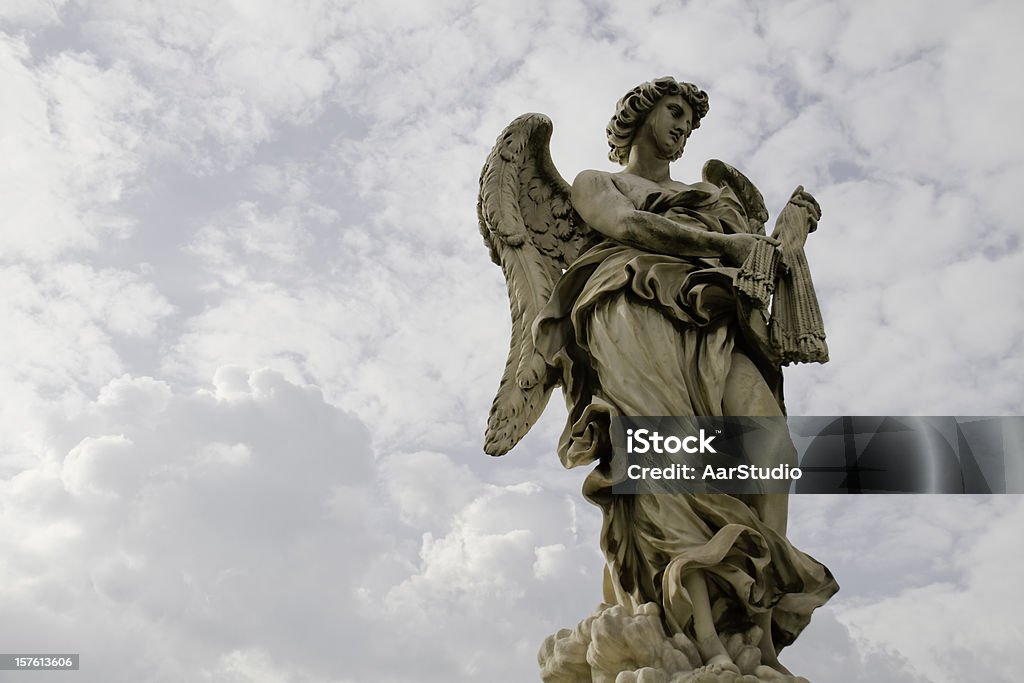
{"points": [[669, 124]]}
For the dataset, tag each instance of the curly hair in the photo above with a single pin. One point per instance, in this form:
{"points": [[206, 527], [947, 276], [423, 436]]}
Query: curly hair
{"points": [[632, 110]]}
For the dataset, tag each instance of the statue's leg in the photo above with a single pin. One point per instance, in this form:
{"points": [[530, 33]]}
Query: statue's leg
{"points": [[747, 394], [648, 365], [710, 645]]}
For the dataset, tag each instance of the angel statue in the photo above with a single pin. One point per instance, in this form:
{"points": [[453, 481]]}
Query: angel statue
{"points": [[646, 296]]}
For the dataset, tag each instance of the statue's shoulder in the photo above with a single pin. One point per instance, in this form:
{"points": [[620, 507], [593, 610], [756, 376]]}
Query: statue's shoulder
{"points": [[593, 183], [591, 187], [593, 178]]}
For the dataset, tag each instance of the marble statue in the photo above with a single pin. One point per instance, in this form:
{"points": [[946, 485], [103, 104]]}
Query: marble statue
{"points": [[644, 295]]}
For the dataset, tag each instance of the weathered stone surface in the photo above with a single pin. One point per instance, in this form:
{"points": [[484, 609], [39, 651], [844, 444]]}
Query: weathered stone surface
{"points": [[614, 645], [644, 296]]}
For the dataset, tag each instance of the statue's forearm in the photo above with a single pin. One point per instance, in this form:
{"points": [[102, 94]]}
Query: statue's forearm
{"points": [[686, 237]]}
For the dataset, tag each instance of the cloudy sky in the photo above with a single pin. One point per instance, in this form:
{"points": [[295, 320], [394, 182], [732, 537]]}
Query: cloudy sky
{"points": [[251, 333]]}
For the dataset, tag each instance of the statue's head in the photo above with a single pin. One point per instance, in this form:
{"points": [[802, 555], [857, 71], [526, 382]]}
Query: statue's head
{"points": [[633, 108]]}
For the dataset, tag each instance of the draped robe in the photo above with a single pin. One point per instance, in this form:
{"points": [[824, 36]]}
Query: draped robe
{"points": [[639, 333]]}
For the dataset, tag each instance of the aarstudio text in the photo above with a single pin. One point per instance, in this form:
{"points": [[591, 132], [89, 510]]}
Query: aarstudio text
{"points": [[711, 473]]}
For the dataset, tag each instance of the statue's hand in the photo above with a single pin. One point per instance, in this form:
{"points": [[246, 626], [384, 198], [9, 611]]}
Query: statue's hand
{"points": [[798, 218], [736, 247]]}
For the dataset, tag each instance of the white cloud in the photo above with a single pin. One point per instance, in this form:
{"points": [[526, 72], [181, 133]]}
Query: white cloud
{"points": [[957, 628], [827, 650], [134, 398], [71, 148], [552, 561], [513, 568], [104, 465], [34, 13], [65, 324], [429, 488], [219, 517]]}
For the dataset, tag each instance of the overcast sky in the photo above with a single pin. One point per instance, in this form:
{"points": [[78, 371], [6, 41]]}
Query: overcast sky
{"points": [[250, 331]]}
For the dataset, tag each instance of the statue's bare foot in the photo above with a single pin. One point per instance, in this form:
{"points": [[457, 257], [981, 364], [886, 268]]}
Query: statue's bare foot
{"points": [[722, 663], [718, 665], [715, 655]]}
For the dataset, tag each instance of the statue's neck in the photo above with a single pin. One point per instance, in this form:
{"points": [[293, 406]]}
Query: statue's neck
{"points": [[644, 163]]}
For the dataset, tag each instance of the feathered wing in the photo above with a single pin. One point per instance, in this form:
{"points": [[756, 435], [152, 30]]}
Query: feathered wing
{"points": [[722, 174], [532, 231]]}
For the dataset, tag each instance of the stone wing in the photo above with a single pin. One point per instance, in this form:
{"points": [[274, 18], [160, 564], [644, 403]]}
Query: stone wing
{"points": [[722, 174], [533, 233]]}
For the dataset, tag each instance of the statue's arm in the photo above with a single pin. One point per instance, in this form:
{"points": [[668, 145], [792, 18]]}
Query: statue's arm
{"points": [[605, 209]]}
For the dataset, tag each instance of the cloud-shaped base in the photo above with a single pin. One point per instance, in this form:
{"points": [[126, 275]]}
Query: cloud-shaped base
{"points": [[617, 645]]}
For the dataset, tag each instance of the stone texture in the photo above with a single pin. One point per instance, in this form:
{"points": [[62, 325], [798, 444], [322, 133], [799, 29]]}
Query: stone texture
{"points": [[643, 295]]}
